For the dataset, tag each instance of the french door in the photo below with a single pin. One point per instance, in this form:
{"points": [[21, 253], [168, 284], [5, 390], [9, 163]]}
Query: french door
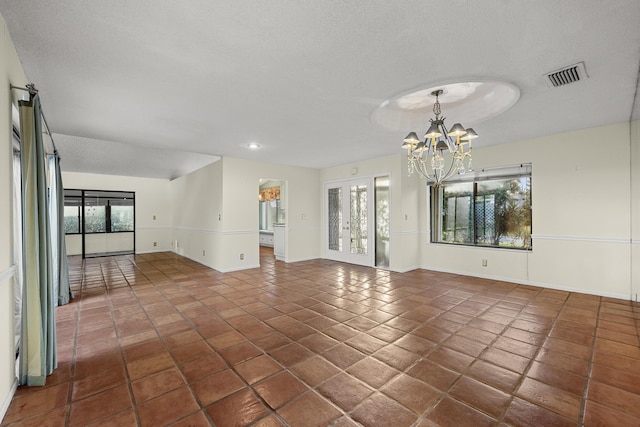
{"points": [[349, 221]]}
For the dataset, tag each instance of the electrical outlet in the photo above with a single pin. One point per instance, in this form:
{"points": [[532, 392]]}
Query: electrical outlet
{"points": [[484, 262], [203, 252], [241, 257], [155, 243], [154, 217]]}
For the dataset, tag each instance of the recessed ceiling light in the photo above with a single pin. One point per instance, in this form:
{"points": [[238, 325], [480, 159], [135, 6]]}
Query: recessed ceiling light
{"points": [[253, 146]]}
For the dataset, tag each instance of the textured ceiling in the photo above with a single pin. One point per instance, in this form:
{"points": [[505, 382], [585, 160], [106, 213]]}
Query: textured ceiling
{"points": [[121, 80]]}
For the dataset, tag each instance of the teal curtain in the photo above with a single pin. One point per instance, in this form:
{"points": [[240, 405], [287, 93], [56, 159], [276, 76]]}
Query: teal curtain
{"points": [[61, 266], [38, 340]]}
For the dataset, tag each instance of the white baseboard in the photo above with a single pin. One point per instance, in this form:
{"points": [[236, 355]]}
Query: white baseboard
{"points": [[8, 398]]}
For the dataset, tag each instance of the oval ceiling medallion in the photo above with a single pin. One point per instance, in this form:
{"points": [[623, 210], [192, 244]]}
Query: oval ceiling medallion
{"points": [[468, 102]]}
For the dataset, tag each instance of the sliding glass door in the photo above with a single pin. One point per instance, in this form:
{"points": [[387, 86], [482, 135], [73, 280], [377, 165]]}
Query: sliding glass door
{"points": [[99, 223]]}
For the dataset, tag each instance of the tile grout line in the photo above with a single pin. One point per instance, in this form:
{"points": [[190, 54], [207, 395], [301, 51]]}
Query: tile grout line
{"points": [[587, 383]]}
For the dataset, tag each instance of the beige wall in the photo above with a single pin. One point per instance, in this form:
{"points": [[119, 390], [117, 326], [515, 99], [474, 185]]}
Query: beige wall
{"points": [[634, 142], [216, 212], [586, 213], [153, 199], [581, 215], [10, 73]]}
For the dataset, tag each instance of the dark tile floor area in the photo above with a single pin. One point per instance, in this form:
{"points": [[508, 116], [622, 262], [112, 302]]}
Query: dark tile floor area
{"points": [[157, 339]]}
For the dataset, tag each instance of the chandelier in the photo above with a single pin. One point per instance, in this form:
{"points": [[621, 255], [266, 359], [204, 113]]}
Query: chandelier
{"points": [[443, 153]]}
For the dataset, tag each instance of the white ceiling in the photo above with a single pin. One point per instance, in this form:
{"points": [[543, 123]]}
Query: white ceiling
{"points": [[138, 88]]}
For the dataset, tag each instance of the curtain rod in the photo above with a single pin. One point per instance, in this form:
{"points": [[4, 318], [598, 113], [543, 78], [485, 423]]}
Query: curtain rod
{"points": [[31, 88]]}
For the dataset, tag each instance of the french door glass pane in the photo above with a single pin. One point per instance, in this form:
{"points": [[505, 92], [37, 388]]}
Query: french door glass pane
{"points": [[359, 219], [335, 219]]}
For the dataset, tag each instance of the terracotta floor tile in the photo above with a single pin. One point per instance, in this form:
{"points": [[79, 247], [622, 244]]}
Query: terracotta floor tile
{"points": [[557, 377], [258, 368], [182, 338], [270, 421], [433, 374], [291, 354], [480, 396], [506, 360], [372, 372], [380, 410], [616, 378], [343, 356], [271, 342], [239, 353], [600, 415], [341, 332], [149, 365], [297, 331], [54, 418], [362, 323], [239, 409], [154, 385], [452, 413], [37, 402], [495, 376], [615, 398], [415, 344], [142, 350], [124, 418], [309, 410], [101, 381], [559, 401], [99, 363], [195, 370], [280, 389], [433, 334], [396, 357], [100, 406], [515, 346], [366, 343], [217, 386], [412, 393], [564, 361], [225, 340], [191, 351], [168, 408], [572, 336], [194, 420], [345, 391], [525, 414], [378, 347], [315, 370], [464, 345], [450, 359], [318, 342]]}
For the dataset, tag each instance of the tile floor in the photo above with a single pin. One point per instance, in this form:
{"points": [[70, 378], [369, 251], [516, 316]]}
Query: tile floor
{"points": [[157, 339]]}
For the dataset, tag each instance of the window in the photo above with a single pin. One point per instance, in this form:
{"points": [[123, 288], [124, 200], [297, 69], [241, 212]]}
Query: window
{"points": [[102, 211], [492, 208]]}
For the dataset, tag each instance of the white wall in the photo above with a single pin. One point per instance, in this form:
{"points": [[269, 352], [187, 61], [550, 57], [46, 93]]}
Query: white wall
{"points": [[580, 211], [10, 73], [153, 199], [634, 142], [240, 214], [216, 211], [197, 215]]}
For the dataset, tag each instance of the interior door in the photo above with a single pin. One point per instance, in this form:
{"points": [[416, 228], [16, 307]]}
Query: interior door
{"points": [[349, 235]]}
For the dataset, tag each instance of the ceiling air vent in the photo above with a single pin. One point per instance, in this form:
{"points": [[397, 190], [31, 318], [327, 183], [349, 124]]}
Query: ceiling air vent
{"points": [[566, 75]]}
